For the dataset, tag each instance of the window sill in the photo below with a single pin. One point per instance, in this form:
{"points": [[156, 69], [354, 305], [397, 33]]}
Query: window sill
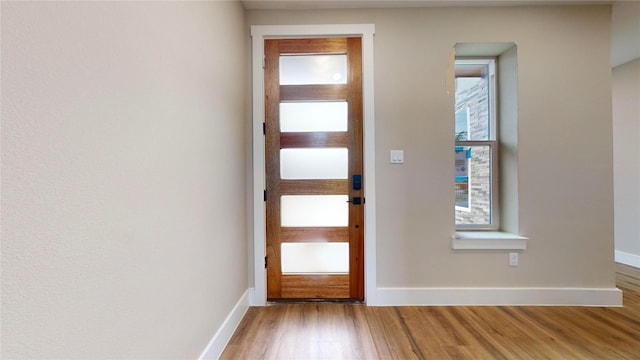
{"points": [[488, 240]]}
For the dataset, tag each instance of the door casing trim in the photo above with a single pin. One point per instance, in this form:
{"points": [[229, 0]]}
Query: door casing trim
{"points": [[258, 294]]}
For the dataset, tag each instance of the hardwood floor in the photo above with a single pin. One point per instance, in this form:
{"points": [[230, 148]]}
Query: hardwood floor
{"points": [[349, 331]]}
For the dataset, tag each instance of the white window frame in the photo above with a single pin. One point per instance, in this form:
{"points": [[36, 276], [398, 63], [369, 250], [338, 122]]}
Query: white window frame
{"points": [[493, 143]]}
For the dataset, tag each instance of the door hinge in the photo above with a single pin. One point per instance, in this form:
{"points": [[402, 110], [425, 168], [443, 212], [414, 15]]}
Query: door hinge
{"points": [[264, 61], [265, 262], [264, 195], [264, 128]]}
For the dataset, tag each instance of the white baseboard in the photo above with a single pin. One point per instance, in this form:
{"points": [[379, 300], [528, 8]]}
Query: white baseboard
{"points": [[627, 258], [219, 341], [498, 296]]}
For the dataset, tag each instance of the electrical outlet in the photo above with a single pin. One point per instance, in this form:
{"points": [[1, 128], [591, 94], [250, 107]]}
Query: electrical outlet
{"points": [[513, 259]]}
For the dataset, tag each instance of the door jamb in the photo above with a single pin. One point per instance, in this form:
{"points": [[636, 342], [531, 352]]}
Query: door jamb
{"points": [[258, 294]]}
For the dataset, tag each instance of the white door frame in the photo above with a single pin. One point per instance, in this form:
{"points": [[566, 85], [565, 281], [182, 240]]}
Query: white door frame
{"points": [[258, 295]]}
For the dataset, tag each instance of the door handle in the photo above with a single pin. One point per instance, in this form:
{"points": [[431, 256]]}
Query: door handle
{"points": [[356, 200]]}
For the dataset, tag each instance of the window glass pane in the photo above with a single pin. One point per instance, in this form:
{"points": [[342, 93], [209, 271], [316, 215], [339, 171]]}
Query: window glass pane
{"points": [[473, 95], [313, 116], [314, 210], [462, 193], [462, 124], [462, 177], [313, 69], [473, 185], [322, 163], [315, 258]]}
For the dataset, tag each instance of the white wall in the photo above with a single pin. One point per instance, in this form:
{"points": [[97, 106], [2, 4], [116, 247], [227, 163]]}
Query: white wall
{"points": [[625, 55], [626, 151], [565, 143], [508, 131], [123, 177]]}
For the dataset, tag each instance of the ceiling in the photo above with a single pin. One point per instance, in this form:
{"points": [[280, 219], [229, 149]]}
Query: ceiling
{"points": [[625, 32], [625, 39], [361, 4]]}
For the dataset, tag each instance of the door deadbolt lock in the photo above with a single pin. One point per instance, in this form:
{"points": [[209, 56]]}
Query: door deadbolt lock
{"points": [[357, 182]]}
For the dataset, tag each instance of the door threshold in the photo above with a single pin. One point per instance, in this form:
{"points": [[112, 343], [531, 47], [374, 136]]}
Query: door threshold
{"points": [[271, 302]]}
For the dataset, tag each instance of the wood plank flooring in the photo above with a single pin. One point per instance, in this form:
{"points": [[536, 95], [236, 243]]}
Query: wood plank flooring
{"points": [[351, 331]]}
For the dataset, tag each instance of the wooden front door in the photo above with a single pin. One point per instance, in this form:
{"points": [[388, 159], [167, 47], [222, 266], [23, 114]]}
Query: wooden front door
{"points": [[314, 195]]}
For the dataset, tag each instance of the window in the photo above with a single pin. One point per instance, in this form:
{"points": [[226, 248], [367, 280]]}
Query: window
{"points": [[476, 144]]}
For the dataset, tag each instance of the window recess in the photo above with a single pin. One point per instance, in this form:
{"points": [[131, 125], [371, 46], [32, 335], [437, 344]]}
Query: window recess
{"points": [[486, 147]]}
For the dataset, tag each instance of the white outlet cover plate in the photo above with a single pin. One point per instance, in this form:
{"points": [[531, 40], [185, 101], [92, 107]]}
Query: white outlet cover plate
{"points": [[513, 259]]}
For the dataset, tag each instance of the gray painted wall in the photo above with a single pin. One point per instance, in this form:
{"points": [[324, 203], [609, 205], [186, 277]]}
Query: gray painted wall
{"points": [[626, 140], [123, 177], [565, 189]]}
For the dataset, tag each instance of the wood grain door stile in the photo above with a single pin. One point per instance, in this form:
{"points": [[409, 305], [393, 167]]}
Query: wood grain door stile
{"points": [[313, 286]]}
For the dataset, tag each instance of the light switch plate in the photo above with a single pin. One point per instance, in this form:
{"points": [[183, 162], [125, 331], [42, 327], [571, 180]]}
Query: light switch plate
{"points": [[397, 156]]}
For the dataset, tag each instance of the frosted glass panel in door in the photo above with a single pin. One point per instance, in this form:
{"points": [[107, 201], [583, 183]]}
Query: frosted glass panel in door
{"points": [[314, 210], [315, 258], [313, 116], [314, 163], [313, 69]]}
